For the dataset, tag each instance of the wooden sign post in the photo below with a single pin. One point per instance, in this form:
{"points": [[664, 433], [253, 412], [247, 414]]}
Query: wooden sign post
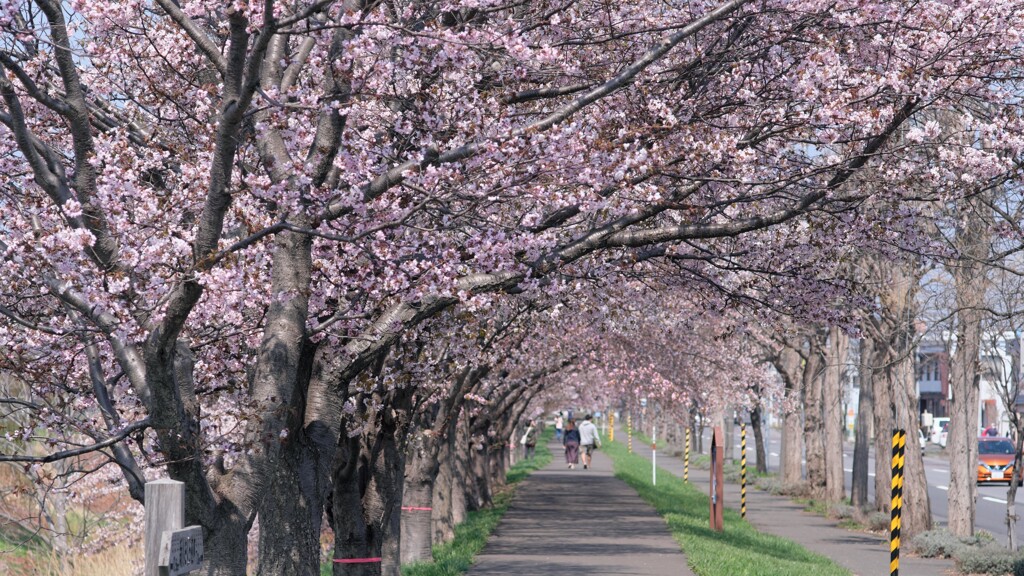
{"points": [[170, 550], [717, 479], [181, 551]]}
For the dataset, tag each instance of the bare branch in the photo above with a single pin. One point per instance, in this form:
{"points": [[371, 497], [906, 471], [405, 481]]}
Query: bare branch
{"points": [[65, 454]]}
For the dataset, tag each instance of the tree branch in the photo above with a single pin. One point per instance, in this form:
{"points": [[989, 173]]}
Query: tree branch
{"points": [[64, 454]]}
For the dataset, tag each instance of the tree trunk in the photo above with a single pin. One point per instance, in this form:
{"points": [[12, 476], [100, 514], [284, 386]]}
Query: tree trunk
{"points": [[226, 546], [301, 485], [813, 378], [865, 409], [755, 424], [729, 431], [291, 520], [835, 489], [895, 394], [973, 238], [700, 435], [479, 475], [368, 501], [1015, 480], [497, 457], [884, 424], [792, 449], [917, 514], [417, 497], [787, 363], [446, 507], [962, 435]]}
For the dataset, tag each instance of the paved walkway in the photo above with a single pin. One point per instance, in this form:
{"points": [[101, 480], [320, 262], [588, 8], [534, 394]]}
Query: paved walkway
{"points": [[862, 553], [579, 522]]}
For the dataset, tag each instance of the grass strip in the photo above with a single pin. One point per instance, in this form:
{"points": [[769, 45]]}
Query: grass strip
{"points": [[739, 550], [455, 557]]}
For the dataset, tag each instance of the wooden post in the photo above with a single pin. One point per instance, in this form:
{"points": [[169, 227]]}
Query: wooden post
{"points": [[717, 480], [165, 510]]}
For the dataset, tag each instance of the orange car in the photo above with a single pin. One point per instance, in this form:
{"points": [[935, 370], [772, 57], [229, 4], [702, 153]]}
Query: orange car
{"points": [[995, 459]]}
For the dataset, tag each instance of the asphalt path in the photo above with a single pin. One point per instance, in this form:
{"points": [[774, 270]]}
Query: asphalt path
{"points": [[991, 504]]}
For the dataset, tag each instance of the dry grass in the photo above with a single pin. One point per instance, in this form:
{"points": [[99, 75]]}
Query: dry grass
{"points": [[116, 561]]}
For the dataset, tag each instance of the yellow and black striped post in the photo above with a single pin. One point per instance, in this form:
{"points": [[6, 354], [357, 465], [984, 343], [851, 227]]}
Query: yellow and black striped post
{"points": [[629, 432], [743, 470], [899, 445], [686, 458], [611, 426]]}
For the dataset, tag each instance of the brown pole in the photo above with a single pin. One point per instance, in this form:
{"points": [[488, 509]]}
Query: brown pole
{"points": [[717, 479]]}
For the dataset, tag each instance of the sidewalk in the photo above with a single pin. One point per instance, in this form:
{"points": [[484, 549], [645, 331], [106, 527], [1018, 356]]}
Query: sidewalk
{"points": [[862, 553], [579, 522]]}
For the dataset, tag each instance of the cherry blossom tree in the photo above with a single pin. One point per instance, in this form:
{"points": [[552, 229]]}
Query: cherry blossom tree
{"points": [[224, 224]]}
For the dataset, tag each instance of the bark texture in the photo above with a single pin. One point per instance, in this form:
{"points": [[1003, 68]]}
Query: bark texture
{"points": [[832, 394], [862, 428], [973, 238]]}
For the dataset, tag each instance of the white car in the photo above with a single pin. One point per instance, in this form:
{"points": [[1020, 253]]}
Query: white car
{"points": [[921, 440], [939, 425]]}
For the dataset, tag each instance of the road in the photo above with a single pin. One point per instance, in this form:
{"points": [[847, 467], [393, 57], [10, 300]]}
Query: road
{"points": [[991, 504]]}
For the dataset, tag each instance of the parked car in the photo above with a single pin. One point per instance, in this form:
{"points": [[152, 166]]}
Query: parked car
{"points": [[995, 459], [921, 440], [939, 426]]}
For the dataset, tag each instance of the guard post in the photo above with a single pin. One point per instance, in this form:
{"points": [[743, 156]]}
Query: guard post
{"points": [[899, 445], [686, 458], [170, 550], [743, 470], [717, 479]]}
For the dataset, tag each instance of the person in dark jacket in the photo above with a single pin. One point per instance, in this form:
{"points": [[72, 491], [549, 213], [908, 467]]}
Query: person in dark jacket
{"points": [[571, 441]]}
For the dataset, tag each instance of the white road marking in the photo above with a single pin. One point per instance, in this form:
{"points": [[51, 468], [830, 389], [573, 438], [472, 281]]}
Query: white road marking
{"points": [[996, 500], [775, 453], [938, 470], [943, 487], [870, 475], [847, 469]]}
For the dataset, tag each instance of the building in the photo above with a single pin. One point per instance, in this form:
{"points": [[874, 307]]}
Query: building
{"points": [[932, 368], [1000, 371]]}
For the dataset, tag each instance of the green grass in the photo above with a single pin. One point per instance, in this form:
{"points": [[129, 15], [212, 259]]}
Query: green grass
{"points": [[739, 550], [455, 557]]}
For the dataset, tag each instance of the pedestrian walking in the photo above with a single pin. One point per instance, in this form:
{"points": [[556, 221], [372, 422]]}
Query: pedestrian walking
{"points": [[529, 439], [559, 427], [589, 440], [571, 441]]}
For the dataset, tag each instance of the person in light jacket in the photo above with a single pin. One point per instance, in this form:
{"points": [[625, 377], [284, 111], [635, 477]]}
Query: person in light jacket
{"points": [[588, 440], [571, 441]]}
